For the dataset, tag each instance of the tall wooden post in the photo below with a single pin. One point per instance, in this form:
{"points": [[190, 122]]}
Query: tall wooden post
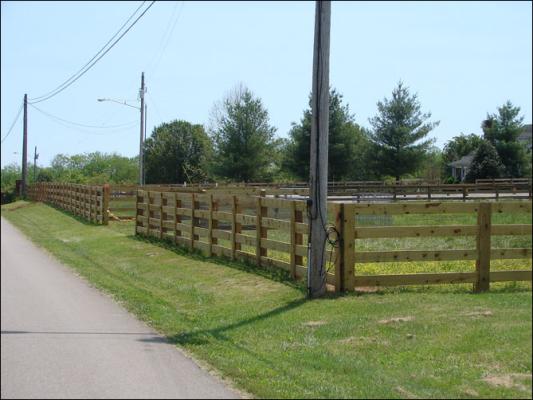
{"points": [[316, 282], [24, 149]]}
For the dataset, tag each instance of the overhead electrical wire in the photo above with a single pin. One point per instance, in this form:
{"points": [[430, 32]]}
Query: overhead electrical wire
{"points": [[86, 68], [14, 122], [84, 125], [166, 38]]}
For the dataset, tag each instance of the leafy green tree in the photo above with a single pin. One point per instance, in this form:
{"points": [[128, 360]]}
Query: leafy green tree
{"points": [[245, 145], [399, 132], [502, 130], [486, 163], [177, 152], [348, 144], [9, 175]]}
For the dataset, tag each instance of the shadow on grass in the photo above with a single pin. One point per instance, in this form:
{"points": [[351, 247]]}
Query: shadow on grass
{"points": [[199, 337], [274, 274]]}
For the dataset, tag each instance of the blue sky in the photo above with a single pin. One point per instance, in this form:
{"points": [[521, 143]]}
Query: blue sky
{"points": [[463, 59]]}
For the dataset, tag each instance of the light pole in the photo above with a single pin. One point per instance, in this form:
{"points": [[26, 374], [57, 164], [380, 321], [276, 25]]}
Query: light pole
{"points": [[142, 109]]}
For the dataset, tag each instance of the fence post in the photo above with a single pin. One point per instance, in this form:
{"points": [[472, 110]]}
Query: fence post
{"points": [[347, 247], [483, 247], [210, 228], [260, 231], [233, 226], [293, 239], [193, 204], [138, 212], [161, 230], [338, 256], [175, 207], [105, 204]]}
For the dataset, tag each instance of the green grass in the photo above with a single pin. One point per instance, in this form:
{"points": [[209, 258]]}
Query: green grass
{"points": [[258, 329]]}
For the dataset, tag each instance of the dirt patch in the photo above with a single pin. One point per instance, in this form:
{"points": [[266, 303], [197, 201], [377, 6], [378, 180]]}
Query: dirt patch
{"points": [[396, 319], [509, 381], [314, 324], [20, 206], [404, 392], [471, 392], [479, 313]]}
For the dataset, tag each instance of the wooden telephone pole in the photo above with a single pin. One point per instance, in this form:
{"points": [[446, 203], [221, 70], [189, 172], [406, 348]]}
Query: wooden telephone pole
{"points": [[141, 152], [24, 149], [318, 180]]}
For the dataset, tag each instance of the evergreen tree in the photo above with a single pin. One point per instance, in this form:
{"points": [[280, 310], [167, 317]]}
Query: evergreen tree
{"points": [[348, 143], [245, 146], [502, 131], [398, 134], [486, 163]]}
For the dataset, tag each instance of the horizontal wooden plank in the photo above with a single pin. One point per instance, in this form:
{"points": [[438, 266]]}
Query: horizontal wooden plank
{"points": [[201, 231], [511, 229], [271, 262], [275, 245], [413, 255], [275, 223], [512, 207], [245, 239], [201, 245], [154, 221], [505, 276], [183, 241], [414, 208], [220, 234], [221, 250], [223, 216], [204, 214], [184, 211], [141, 230], [183, 227], [415, 279], [504, 254], [168, 210], [169, 224], [414, 231], [245, 219]]}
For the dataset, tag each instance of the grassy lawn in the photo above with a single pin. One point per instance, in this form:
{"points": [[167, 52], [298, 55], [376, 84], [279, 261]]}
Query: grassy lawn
{"points": [[257, 328]]}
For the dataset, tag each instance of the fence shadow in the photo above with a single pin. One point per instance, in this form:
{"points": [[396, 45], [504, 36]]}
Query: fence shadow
{"points": [[274, 274]]}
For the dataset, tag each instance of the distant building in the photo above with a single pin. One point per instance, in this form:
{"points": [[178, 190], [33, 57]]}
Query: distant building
{"points": [[460, 167], [525, 136]]}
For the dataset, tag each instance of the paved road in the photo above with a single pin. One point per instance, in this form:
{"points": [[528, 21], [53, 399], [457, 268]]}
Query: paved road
{"points": [[63, 339]]}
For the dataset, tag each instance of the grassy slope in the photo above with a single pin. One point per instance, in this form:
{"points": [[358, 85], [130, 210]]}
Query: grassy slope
{"points": [[270, 341]]}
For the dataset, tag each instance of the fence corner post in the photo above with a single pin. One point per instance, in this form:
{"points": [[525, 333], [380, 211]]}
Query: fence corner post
{"points": [[348, 247], [483, 247], [105, 204]]}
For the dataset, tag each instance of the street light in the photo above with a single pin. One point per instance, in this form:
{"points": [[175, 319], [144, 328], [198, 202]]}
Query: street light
{"points": [[142, 109]]}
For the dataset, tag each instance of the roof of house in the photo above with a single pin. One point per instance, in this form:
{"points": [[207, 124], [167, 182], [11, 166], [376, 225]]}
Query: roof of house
{"points": [[464, 161]]}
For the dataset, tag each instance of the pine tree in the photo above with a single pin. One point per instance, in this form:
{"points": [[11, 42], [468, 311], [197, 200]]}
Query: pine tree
{"points": [[399, 132]]}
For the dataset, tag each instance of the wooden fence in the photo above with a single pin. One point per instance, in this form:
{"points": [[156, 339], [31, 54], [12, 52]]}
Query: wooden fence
{"points": [[88, 202], [482, 254], [272, 232]]}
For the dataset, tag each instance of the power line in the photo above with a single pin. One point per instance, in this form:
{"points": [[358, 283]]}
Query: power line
{"points": [[96, 55], [14, 122], [62, 87], [83, 125], [166, 37]]}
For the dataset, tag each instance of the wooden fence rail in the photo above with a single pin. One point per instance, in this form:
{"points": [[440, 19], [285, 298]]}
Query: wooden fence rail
{"points": [[271, 232], [88, 202]]}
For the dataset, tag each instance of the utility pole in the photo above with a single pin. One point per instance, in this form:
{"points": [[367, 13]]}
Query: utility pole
{"points": [[318, 179], [141, 152], [144, 140], [35, 157], [24, 149]]}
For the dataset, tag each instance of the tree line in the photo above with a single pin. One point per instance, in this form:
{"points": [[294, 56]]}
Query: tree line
{"points": [[239, 144]]}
